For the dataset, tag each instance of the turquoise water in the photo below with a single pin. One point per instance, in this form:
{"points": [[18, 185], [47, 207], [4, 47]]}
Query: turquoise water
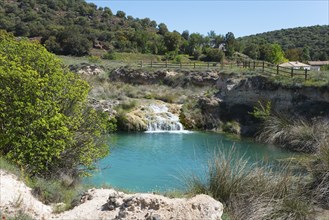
{"points": [[147, 162]]}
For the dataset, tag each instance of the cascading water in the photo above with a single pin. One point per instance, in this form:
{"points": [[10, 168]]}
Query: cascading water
{"points": [[160, 119]]}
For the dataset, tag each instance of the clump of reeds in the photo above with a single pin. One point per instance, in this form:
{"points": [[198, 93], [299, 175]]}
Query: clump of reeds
{"points": [[296, 134], [254, 190]]}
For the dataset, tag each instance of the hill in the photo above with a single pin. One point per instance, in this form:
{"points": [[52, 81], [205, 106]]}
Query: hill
{"points": [[74, 27], [301, 43]]}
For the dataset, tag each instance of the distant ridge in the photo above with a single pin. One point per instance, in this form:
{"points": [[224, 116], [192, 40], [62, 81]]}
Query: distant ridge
{"points": [[315, 38]]}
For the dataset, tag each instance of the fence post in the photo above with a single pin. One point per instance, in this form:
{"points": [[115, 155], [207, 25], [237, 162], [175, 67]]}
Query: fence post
{"points": [[166, 64], [180, 65], [254, 65], [194, 65], [305, 74], [151, 63], [277, 69], [141, 63], [208, 66], [263, 66], [292, 72]]}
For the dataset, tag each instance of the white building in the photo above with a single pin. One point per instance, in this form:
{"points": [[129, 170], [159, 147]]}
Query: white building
{"points": [[316, 65], [295, 65]]}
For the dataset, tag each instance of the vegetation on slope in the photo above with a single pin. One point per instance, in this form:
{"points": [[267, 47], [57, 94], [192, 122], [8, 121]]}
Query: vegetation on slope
{"points": [[46, 125], [74, 27], [302, 43]]}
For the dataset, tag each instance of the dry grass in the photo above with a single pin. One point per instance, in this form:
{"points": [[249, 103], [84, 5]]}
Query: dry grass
{"points": [[253, 190], [295, 134]]}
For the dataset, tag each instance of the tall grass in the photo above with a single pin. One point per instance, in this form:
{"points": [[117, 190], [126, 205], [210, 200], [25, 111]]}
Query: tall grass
{"points": [[295, 134], [320, 175], [254, 190]]}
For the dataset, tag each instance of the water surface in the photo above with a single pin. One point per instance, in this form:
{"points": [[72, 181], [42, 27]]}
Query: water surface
{"points": [[147, 162]]}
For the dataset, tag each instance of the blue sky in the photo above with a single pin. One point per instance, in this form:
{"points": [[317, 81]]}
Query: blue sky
{"points": [[240, 17]]}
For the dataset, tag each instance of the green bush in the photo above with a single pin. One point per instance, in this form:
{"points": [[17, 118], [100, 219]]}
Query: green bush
{"points": [[54, 191], [232, 127], [46, 126]]}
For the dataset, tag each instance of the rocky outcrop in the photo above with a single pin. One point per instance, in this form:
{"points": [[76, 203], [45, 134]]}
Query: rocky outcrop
{"points": [[170, 78], [238, 96], [308, 101], [106, 106], [151, 115], [106, 204], [87, 69], [117, 205]]}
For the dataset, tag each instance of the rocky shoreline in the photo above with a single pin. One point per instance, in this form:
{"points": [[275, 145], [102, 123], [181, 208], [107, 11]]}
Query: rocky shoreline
{"points": [[107, 204]]}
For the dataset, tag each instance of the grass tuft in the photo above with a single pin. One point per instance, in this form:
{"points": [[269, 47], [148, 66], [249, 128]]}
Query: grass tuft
{"points": [[253, 190], [294, 134]]}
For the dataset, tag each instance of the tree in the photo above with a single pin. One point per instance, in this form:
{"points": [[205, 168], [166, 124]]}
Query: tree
{"points": [[230, 44], [186, 35], [276, 54], [73, 42], [173, 41], [162, 29], [294, 54], [214, 54], [121, 14], [306, 54], [195, 43], [46, 126]]}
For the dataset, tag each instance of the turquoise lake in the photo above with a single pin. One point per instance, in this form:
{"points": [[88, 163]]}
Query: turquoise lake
{"points": [[146, 162]]}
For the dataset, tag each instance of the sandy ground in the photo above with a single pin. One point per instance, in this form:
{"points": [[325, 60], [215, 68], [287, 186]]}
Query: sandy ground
{"points": [[107, 204]]}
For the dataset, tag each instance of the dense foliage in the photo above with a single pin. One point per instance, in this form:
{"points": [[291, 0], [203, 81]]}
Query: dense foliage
{"points": [[46, 126], [302, 43], [75, 27]]}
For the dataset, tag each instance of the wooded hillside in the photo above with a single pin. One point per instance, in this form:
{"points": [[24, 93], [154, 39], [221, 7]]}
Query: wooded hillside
{"points": [[301, 43]]}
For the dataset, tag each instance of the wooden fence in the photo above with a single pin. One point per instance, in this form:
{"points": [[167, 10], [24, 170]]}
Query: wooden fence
{"points": [[263, 66]]}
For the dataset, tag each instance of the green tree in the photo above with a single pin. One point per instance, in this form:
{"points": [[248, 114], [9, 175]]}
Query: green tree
{"points": [[173, 41], [163, 29], [230, 44], [276, 55], [294, 54], [306, 54], [46, 126]]}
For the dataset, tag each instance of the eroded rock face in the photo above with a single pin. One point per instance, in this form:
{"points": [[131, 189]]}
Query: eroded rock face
{"points": [[140, 76], [170, 78], [239, 96], [87, 69], [304, 100]]}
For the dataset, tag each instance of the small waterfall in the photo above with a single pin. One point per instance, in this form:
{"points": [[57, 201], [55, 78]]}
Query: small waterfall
{"points": [[160, 119]]}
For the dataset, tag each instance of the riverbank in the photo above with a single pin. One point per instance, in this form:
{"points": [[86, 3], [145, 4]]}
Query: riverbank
{"points": [[16, 197]]}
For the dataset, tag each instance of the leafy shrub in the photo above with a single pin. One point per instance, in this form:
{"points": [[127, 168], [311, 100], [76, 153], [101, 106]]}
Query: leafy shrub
{"points": [[110, 56], [46, 126], [261, 111], [232, 127], [93, 59]]}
